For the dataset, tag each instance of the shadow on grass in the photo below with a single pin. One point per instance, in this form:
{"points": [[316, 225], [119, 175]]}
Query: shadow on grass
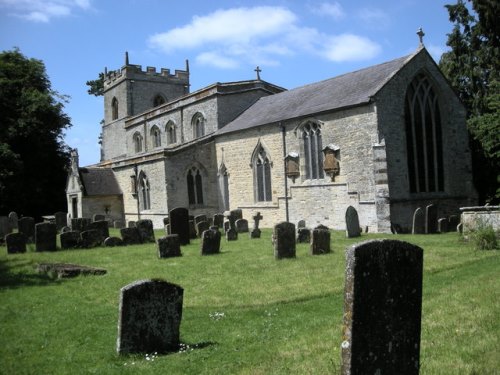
{"points": [[18, 273]]}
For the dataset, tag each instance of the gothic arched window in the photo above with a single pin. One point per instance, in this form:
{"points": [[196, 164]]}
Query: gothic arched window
{"points": [[171, 133], [311, 147], [262, 175], [158, 100], [137, 142], [144, 197], [155, 137], [423, 137], [195, 186], [114, 109], [198, 125]]}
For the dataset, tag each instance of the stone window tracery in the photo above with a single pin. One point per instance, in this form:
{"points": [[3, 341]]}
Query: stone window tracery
{"points": [[195, 186], [114, 109], [311, 150], [155, 137], [137, 138], [144, 192], [171, 133], [262, 175], [198, 123]]}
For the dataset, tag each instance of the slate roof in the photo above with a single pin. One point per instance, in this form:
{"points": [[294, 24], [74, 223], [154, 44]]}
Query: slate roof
{"points": [[344, 91], [99, 181]]}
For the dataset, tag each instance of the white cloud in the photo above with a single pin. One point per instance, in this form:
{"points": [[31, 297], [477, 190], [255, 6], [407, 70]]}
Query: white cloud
{"points": [[333, 10], [216, 59], [374, 18], [349, 47], [43, 11]]}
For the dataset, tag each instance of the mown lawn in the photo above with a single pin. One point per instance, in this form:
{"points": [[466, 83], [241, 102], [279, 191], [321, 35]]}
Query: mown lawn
{"points": [[244, 312]]}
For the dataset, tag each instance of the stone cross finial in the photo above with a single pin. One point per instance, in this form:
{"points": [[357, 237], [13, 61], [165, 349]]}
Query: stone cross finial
{"points": [[258, 70], [421, 34]]}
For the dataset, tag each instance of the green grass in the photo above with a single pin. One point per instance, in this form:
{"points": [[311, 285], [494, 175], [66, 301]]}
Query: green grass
{"points": [[244, 312]]}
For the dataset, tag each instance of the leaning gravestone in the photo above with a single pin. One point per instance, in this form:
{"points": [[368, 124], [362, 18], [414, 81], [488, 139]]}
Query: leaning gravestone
{"points": [[61, 219], [241, 225], [352, 222], [382, 308], [130, 236], [149, 317], [70, 240], [45, 237], [26, 225], [179, 224], [210, 242], [168, 246], [13, 218], [16, 243], [145, 227], [284, 240], [418, 226], [431, 217], [320, 241]]}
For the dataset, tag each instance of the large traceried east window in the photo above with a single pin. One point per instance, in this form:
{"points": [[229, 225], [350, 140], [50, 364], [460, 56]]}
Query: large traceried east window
{"points": [[114, 109], [198, 123], [311, 149], [155, 137], [423, 137], [262, 175], [195, 186], [144, 196]]}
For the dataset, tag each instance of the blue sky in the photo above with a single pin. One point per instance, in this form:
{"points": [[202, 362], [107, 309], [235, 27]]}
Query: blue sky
{"points": [[294, 42]]}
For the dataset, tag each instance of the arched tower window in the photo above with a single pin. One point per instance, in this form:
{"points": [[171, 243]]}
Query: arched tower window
{"points": [[198, 123], [155, 137], [311, 149], [158, 100], [171, 133], [423, 137], [262, 175], [195, 186], [137, 142], [144, 196], [114, 109]]}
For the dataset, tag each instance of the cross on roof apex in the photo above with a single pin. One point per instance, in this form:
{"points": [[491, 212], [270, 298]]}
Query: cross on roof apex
{"points": [[258, 70], [421, 34]]}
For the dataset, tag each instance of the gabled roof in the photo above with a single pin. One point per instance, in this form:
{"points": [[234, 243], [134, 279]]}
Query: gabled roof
{"points": [[99, 181], [344, 91]]}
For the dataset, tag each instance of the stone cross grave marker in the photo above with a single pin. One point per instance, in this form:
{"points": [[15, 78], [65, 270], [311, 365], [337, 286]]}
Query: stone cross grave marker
{"points": [[210, 242], [179, 224], [418, 226], [320, 241], [150, 316], [352, 222], [169, 246], [255, 233], [382, 308], [284, 240], [45, 237]]}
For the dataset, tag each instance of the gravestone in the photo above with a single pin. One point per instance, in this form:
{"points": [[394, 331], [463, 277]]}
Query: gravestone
{"points": [[179, 224], [98, 217], [382, 308], [418, 226], [167, 229], [168, 246], [443, 225], [431, 219], [231, 234], [119, 224], [303, 235], [201, 227], [26, 225], [145, 227], [45, 237], [16, 243], [460, 228], [65, 229], [453, 221], [61, 219], [13, 218], [166, 221], [352, 222], [218, 220], [320, 241], [66, 270], [241, 225], [227, 226], [113, 242], [70, 240], [80, 223], [301, 224], [130, 236], [192, 230], [284, 240], [232, 216], [210, 242], [90, 238], [102, 227], [255, 233], [150, 316], [131, 224], [199, 219], [5, 228]]}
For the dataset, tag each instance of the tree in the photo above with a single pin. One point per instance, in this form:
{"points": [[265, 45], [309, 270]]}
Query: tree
{"points": [[96, 86], [473, 68], [33, 156]]}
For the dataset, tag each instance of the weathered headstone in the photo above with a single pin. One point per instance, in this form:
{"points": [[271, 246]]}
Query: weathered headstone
{"points": [[199, 219], [80, 223], [166, 221], [16, 243], [119, 224], [167, 229], [113, 242], [219, 220], [227, 226], [301, 224], [352, 222], [460, 228], [241, 225], [65, 229], [130, 236], [65, 270], [320, 241], [13, 218], [102, 227], [168, 246], [61, 219], [131, 224], [149, 317], [382, 308], [201, 227], [431, 219], [210, 242], [303, 235], [231, 234], [179, 224], [145, 227], [98, 217], [418, 226], [26, 225], [192, 230], [70, 240], [284, 240], [443, 225], [90, 238], [45, 237], [232, 216], [256, 232], [453, 221], [4, 227]]}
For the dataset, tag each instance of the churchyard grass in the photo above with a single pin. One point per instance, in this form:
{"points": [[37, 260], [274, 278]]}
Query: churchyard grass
{"points": [[244, 312]]}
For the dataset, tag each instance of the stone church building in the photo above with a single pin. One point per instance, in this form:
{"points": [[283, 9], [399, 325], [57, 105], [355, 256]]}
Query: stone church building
{"points": [[386, 140]]}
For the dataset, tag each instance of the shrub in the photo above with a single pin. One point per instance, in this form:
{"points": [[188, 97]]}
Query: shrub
{"points": [[484, 237]]}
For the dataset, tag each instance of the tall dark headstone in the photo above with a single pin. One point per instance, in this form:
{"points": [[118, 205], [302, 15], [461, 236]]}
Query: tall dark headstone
{"points": [[80, 223], [16, 243], [210, 242], [61, 219], [102, 227], [91, 238], [70, 240], [45, 237], [150, 316], [145, 227], [130, 236], [382, 308], [26, 225], [418, 226], [431, 219], [219, 220], [352, 223], [179, 224], [168, 246], [284, 240], [320, 241]]}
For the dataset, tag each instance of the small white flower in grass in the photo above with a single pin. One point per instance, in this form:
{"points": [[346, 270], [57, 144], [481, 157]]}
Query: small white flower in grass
{"points": [[217, 315]]}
